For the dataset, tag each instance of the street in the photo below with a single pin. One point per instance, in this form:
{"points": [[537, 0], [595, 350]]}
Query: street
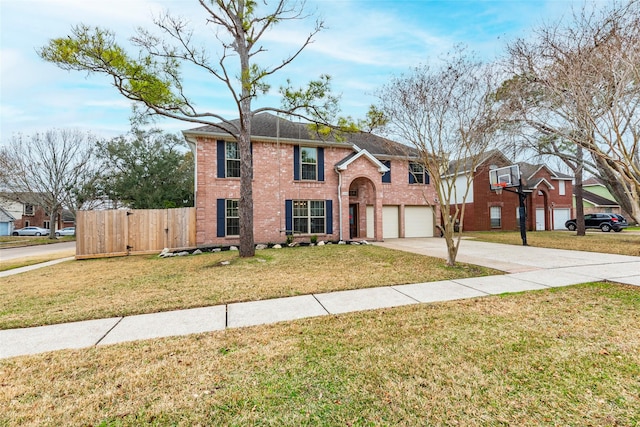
{"points": [[63, 249]]}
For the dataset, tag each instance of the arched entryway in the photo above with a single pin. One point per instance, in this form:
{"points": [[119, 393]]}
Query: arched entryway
{"points": [[542, 211], [362, 209]]}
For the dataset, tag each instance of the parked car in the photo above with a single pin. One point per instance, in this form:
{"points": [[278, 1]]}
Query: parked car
{"points": [[67, 231], [604, 221], [31, 231]]}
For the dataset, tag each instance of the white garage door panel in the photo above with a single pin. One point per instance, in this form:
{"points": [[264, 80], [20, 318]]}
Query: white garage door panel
{"points": [[560, 216], [418, 221], [390, 222]]}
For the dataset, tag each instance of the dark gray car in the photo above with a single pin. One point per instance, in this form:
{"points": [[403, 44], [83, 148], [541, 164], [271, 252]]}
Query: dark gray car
{"points": [[604, 221]]}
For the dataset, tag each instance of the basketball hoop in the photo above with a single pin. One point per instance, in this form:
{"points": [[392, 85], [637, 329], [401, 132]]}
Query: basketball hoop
{"points": [[499, 187]]}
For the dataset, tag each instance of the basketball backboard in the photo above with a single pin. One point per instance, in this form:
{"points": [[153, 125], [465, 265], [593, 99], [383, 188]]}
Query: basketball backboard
{"points": [[508, 176]]}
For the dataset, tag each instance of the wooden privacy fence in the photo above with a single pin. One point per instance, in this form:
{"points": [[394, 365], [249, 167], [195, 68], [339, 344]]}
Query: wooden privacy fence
{"points": [[129, 232]]}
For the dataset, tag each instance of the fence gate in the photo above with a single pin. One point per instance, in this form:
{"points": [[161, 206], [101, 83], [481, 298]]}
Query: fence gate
{"points": [[138, 231]]}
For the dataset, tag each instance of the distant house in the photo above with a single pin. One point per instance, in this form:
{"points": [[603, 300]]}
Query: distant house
{"points": [[597, 198], [27, 211], [304, 185], [6, 222], [548, 197]]}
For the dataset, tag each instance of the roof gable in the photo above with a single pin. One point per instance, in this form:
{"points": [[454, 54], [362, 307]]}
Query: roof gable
{"points": [[344, 163]]}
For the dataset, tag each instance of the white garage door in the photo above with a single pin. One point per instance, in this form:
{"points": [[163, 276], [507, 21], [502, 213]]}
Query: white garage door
{"points": [[418, 221], [560, 216], [390, 222]]}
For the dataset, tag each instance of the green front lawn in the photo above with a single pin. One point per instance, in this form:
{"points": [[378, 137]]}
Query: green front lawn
{"points": [[559, 357]]}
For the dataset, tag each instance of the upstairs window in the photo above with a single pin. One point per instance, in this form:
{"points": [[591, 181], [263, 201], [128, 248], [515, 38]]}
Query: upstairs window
{"points": [[387, 175], [418, 174], [228, 159], [232, 159], [28, 209], [309, 163]]}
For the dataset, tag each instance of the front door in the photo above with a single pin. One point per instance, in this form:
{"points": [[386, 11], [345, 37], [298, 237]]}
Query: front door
{"points": [[353, 221], [540, 220]]}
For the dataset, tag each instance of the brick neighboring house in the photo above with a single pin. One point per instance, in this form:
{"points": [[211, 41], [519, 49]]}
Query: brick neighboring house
{"points": [[27, 211], [305, 185], [549, 200]]}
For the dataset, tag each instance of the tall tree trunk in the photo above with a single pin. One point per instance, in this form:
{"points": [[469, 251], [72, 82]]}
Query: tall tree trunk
{"points": [[245, 205], [615, 187], [578, 190]]}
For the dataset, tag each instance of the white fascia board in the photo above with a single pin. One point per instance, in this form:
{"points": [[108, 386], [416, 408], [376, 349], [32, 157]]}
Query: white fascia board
{"points": [[361, 152]]}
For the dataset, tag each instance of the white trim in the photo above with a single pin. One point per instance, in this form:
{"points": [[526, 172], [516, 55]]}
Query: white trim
{"points": [[362, 152]]}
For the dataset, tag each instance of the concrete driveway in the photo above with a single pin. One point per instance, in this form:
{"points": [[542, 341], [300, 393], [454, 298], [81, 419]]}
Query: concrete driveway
{"points": [[512, 258]]}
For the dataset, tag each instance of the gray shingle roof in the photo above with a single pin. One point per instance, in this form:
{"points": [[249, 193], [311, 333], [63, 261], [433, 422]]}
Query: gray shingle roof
{"points": [[597, 200], [271, 126]]}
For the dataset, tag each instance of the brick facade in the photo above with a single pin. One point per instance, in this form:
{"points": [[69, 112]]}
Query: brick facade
{"points": [[543, 189], [274, 184]]}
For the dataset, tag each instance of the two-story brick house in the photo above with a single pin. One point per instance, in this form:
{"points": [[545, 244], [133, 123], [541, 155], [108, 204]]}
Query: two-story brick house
{"points": [[304, 185], [26, 209], [548, 198]]}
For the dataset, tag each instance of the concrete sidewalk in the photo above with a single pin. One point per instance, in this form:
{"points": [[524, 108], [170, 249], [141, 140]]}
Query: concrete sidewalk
{"points": [[529, 268]]}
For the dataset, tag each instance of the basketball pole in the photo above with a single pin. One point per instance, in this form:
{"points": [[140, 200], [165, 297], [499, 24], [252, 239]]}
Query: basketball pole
{"points": [[522, 213]]}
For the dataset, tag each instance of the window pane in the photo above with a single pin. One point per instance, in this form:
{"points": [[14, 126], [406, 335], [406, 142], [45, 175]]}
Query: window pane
{"points": [[233, 226], [301, 225], [417, 170], [309, 172], [232, 208], [308, 155], [232, 150], [233, 168], [232, 220], [308, 160], [496, 216], [232, 155], [317, 208], [300, 208], [317, 225]]}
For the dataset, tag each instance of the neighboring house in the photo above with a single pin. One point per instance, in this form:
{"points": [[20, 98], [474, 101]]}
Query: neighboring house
{"points": [[305, 185], [26, 210], [6, 222], [597, 198], [548, 197]]}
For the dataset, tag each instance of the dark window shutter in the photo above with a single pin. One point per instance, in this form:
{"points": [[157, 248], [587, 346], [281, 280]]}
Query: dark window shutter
{"points": [[221, 159], [251, 151], [221, 208], [296, 162], [320, 164], [387, 175], [288, 215], [328, 212], [426, 177]]}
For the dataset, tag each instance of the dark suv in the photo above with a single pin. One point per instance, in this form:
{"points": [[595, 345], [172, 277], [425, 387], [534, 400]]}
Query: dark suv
{"points": [[604, 221]]}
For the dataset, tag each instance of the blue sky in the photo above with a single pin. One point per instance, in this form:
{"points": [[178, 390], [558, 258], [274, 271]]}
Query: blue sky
{"points": [[365, 42]]}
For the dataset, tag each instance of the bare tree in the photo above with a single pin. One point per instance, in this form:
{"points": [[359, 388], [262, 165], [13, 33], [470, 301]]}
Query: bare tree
{"points": [[579, 82], [446, 113], [49, 166], [155, 83]]}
